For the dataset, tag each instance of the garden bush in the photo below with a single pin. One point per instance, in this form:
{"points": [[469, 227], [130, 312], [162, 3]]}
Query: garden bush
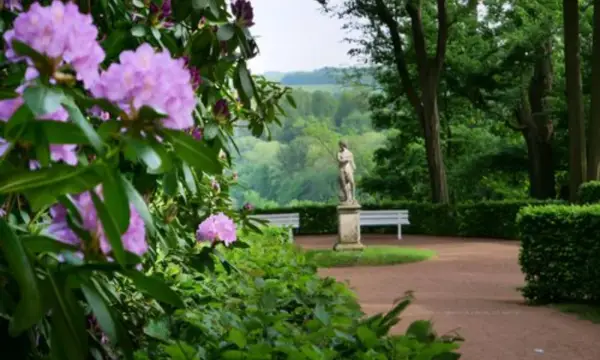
{"points": [[117, 233], [589, 192], [560, 253], [267, 302], [490, 219]]}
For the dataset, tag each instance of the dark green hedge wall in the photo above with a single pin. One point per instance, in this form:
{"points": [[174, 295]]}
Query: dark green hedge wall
{"points": [[560, 253], [589, 192], [493, 219]]}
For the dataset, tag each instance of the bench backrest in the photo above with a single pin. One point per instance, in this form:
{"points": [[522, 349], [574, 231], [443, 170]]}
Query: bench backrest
{"points": [[384, 217], [290, 219]]}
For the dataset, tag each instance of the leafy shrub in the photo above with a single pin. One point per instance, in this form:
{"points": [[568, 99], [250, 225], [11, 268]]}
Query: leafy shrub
{"points": [[490, 219], [589, 192], [273, 305], [560, 253]]}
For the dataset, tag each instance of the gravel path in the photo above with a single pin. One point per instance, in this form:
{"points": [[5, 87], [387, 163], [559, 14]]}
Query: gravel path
{"points": [[471, 286]]}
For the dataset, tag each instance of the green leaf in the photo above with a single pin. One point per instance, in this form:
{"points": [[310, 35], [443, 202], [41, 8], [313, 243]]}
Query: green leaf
{"points": [[203, 261], [138, 30], [180, 351], [237, 337], [68, 322], [322, 315], [101, 309], [153, 154], [22, 117], [40, 243], [114, 42], [181, 9], [27, 180], [211, 131], [62, 132], [194, 152], [41, 197], [6, 94], [43, 100], [169, 183], [232, 355], [77, 117], [41, 63], [188, 176], [245, 79], [146, 113], [199, 4], [158, 329], [115, 198], [111, 229], [29, 310], [140, 205], [225, 32], [290, 99], [421, 330], [42, 147], [154, 287], [366, 336]]}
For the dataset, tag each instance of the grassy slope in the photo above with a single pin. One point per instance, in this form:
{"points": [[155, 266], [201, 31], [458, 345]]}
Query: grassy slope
{"points": [[370, 256]]}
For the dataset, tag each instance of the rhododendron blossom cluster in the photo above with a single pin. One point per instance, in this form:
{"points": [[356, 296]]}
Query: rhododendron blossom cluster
{"points": [[63, 34], [145, 77], [65, 153], [134, 239], [217, 228]]}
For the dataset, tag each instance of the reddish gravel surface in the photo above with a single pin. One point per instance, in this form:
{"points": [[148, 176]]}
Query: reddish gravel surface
{"points": [[471, 287]]}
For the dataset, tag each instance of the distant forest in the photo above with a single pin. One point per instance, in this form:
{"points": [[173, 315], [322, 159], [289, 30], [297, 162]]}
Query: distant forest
{"points": [[324, 76]]}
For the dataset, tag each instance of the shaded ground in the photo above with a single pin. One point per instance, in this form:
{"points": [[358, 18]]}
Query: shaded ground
{"points": [[471, 286]]}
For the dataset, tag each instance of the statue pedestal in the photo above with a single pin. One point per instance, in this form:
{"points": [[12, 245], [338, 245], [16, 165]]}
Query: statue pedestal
{"points": [[348, 228]]}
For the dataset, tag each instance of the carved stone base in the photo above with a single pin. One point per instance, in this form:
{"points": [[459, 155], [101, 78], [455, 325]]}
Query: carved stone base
{"points": [[348, 228]]}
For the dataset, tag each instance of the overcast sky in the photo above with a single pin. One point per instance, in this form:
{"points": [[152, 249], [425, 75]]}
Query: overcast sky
{"points": [[294, 35]]}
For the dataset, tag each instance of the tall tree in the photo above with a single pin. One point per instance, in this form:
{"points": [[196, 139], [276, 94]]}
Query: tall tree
{"points": [[388, 22], [577, 159], [593, 141]]}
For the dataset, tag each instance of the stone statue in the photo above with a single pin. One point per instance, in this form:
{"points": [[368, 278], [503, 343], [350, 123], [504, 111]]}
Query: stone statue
{"points": [[347, 167]]}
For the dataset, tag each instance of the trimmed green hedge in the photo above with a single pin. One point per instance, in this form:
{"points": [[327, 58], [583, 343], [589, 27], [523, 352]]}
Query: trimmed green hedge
{"points": [[560, 253], [589, 192], [492, 219]]}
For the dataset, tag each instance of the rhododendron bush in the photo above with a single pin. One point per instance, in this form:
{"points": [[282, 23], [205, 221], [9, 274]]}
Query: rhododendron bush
{"points": [[115, 114]]}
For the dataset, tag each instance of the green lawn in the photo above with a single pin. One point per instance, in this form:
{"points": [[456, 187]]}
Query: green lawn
{"points": [[585, 312], [370, 256]]}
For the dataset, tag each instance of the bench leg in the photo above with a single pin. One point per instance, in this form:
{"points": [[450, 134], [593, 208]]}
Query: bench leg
{"points": [[291, 235], [399, 232]]}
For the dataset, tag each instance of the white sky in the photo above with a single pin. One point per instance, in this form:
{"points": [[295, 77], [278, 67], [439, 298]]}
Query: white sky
{"points": [[294, 35]]}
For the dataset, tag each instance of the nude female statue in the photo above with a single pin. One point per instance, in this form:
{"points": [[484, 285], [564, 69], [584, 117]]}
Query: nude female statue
{"points": [[346, 176]]}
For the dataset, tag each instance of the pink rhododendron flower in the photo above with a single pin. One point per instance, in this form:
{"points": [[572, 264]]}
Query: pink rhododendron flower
{"points": [[60, 32], [65, 153], [13, 5], [145, 77], [134, 239], [217, 228]]}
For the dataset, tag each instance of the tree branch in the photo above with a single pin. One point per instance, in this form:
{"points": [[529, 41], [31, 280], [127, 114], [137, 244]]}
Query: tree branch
{"points": [[413, 8], [442, 38], [387, 18]]}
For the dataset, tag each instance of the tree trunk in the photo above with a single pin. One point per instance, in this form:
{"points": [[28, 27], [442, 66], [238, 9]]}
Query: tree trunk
{"points": [[593, 140], [430, 121], [577, 159], [541, 132], [541, 167]]}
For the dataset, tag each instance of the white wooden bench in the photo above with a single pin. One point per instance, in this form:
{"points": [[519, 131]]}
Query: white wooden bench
{"points": [[289, 220], [385, 217]]}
